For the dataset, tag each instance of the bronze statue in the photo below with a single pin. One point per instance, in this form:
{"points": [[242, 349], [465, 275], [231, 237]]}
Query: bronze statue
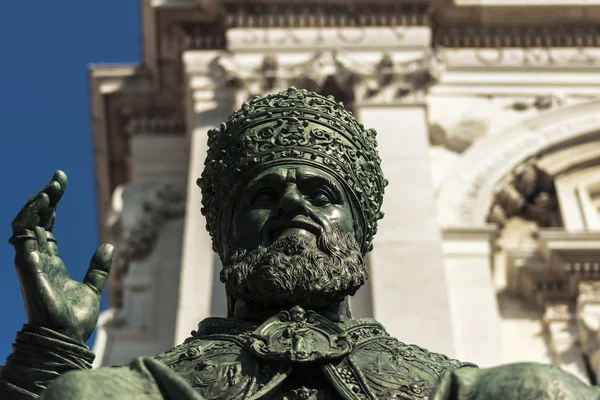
{"points": [[292, 190]]}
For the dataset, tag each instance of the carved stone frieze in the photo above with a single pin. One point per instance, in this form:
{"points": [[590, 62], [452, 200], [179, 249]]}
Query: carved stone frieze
{"points": [[134, 231], [270, 75], [392, 81], [386, 80]]}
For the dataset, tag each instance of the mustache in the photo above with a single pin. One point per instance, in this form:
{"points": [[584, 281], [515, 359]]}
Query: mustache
{"points": [[299, 221]]}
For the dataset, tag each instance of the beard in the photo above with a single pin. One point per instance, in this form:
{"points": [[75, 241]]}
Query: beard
{"points": [[296, 271]]}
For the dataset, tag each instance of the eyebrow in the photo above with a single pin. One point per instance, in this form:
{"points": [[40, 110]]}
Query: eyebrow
{"points": [[304, 178], [323, 180], [263, 179]]}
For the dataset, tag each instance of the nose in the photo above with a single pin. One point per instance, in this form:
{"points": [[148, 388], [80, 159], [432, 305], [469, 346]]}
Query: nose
{"points": [[292, 202]]}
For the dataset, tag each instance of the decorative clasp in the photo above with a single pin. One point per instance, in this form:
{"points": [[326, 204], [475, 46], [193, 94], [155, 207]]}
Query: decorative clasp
{"points": [[298, 336]]}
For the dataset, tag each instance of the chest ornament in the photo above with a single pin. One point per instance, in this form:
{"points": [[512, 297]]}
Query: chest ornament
{"points": [[298, 336]]}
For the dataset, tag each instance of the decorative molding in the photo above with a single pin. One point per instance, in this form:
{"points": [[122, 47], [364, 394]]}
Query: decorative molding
{"points": [[315, 15], [155, 124], [134, 239], [383, 80], [393, 81], [212, 35], [496, 58], [532, 36], [271, 76], [204, 36]]}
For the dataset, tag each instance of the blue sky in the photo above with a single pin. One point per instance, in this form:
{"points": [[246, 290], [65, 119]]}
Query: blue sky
{"points": [[45, 50]]}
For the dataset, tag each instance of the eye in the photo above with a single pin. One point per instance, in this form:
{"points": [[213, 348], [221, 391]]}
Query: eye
{"points": [[263, 196], [320, 196]]}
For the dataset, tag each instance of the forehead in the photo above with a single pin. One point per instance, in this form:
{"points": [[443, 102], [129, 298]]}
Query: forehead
{"points": [[279, 174]]}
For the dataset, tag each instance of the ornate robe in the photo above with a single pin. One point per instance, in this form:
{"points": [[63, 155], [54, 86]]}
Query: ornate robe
{"points": [[290, 356]]}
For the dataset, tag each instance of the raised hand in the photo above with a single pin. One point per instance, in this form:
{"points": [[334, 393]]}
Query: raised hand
{"points": [[52, 299]]}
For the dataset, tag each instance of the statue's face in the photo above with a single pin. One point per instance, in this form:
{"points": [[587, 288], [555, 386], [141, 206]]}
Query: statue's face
{"points": [[293, 242], [289, 200]]}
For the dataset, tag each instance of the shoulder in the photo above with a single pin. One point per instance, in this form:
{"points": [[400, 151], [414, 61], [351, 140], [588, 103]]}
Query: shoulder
{"points": [[411, 356], [519, 381], [370, 337], [102, 383], [387, 368]]}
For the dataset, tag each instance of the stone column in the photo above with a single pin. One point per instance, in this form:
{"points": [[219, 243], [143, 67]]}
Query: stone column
{"points": [[473, 302], [208, 106], [410, 293]]}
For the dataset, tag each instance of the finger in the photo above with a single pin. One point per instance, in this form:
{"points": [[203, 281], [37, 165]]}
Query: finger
{"points": [[49, 225], [59, 178], [40, 234], [99, 269], [24, 243], [51, 244], [29, 216], [28, 266], [54, 192]]}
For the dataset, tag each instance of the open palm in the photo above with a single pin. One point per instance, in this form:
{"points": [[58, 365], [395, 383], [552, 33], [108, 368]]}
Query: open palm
{"points": [[52, 299]]}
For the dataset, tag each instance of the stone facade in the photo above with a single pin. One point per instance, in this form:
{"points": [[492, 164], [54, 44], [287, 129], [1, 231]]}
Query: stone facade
{"points": [[488, 120]]}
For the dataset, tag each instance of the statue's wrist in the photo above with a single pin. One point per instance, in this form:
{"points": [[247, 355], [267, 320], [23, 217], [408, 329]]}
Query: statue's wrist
{"points": [[21, 234], [40, 355], [45, 337]]}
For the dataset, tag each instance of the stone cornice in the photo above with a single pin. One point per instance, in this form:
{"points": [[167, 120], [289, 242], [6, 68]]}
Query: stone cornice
{"points": [[484, 35], [307, 15]]}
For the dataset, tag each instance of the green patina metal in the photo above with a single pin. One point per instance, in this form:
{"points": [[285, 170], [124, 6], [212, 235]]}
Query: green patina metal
{"points": [[292, 191]]}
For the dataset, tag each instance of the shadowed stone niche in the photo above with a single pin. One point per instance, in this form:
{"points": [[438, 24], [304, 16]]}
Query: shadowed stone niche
{"points": [[527, 192]]}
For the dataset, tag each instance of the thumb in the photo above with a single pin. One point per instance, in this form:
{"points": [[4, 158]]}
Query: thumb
{"points": [[97, 274]]}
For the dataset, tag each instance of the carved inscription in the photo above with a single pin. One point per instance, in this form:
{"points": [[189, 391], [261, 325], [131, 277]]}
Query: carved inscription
{"points": [[523, 57]]}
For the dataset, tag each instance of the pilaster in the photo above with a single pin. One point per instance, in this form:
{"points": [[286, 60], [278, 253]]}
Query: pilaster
{"points": [[476, 321], [407, 264], [200, 293]]}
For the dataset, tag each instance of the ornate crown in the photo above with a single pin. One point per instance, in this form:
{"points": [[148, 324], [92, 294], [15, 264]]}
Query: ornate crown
{"points": [[292, 127]]}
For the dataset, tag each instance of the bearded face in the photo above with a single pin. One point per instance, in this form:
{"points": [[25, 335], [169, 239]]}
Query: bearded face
{"points": [[294, 270], [293, 241]]}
